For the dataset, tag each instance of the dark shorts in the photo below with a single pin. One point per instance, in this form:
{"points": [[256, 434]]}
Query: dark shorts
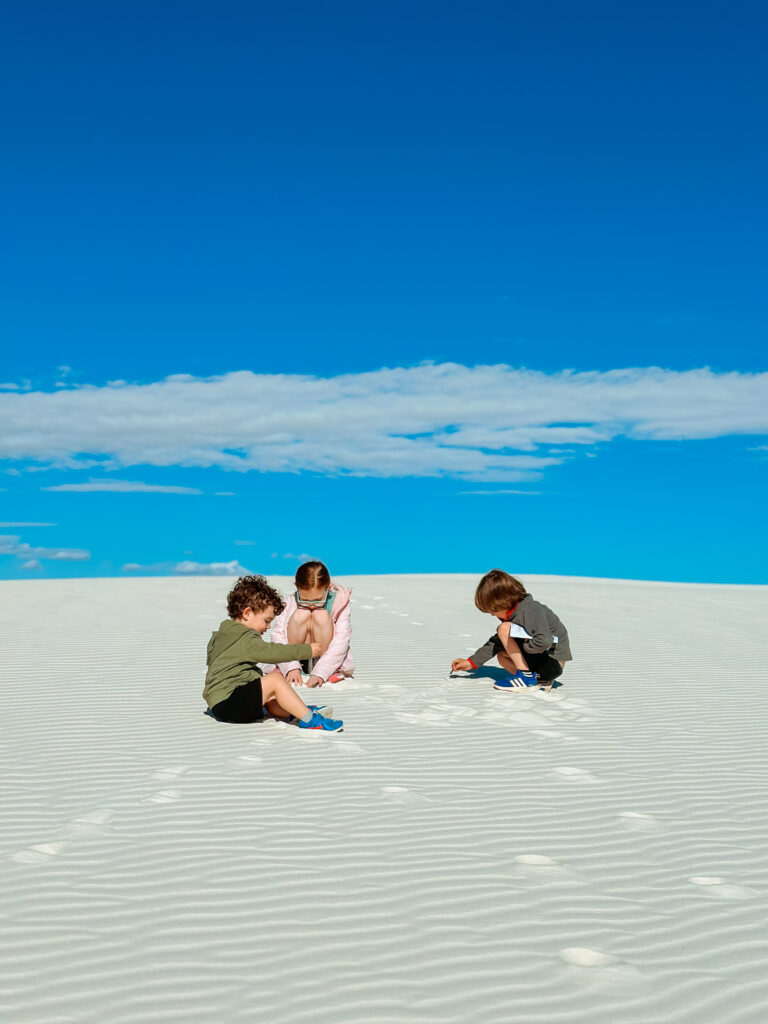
{"points": [[243, 705], [544, 665]]}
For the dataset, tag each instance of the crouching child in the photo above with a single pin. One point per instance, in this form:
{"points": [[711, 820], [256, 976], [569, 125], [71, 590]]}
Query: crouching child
{"points": [[531, 642], [236, 689]]}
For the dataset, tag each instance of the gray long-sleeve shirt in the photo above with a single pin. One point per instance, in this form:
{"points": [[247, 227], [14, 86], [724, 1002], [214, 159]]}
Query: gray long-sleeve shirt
{"points": [[542, 626]]}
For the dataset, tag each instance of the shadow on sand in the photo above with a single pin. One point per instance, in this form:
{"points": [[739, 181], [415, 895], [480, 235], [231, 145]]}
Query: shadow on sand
{"points": [[492, 672]]}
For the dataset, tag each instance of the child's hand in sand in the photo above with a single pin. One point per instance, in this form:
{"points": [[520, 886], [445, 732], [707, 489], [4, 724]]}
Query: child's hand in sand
{"points": [[461, 665], [294, 677], [315, 681], [317, 650]]}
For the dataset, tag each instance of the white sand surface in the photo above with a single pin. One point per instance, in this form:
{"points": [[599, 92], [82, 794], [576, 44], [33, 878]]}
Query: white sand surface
{"points": [[598, 853]]}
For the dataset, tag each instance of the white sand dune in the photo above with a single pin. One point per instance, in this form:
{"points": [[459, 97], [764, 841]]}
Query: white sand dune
{"points": [[455, 855]]}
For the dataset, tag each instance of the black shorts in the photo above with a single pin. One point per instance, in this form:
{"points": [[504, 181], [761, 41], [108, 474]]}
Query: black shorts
{"points": [[543, 664], [243, 705]]}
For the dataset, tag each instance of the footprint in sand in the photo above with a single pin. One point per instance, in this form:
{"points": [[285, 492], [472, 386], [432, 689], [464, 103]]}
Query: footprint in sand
{"points": [[575, 774], [510, 712], [536, 865], [245, 761], [164, 796], [437, 719], [171, 772], [347, 748], [457, 711], [403, 795], [725, 890], [42, 853], [603, 972], [553, 697], [580, 956], [94, 824], [634, 821]]}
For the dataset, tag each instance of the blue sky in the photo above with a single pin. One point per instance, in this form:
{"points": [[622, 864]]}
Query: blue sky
{"points": [[327, 192]]}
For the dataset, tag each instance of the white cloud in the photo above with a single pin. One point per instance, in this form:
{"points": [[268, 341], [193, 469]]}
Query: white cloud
{"points": [[232, 568], [6, 526], [33, 563], [123, 487], [189, 568], [472, 423], [11, 545]]}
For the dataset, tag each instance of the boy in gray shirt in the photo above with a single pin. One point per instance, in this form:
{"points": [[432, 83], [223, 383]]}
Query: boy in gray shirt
{"points": [[538, 655]]}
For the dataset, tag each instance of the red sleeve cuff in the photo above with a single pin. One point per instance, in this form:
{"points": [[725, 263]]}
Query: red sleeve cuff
{"points": [[471, 663]]}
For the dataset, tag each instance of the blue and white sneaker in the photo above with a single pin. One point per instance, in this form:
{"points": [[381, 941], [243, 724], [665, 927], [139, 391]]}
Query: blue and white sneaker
{"points": [[318, 721], [518, 681]]}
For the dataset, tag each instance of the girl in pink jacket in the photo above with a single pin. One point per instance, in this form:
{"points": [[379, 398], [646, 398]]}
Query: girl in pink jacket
{"points": [[318, 612]]}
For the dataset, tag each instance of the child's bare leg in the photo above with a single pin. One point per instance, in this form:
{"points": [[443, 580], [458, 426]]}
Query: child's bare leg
{"points": [[506, 662], [275, 710], [297, 630], [321, 628], [280, 698], [511, 655]]}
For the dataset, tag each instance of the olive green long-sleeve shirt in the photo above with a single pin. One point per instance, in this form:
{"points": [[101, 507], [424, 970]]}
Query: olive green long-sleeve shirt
{"points": [[234, 652]]}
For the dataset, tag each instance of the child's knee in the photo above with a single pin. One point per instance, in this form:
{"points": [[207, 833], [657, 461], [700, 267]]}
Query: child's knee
{"points": [[271, 683], [301, 617], [320, 617], [503, 631]]}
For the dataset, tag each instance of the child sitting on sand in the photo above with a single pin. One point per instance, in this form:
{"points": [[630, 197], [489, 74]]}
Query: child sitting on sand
{"points": [[319, 611], [235, 688], [537, 660]]}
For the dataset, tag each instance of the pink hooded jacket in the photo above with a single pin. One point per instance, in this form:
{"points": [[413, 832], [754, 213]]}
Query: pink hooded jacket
{"points": [[338, 657]]}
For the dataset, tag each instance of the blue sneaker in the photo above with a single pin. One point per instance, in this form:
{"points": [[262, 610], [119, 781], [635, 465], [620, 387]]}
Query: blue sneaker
{"points": [[518, 681], [318, 721], [326, 710]]}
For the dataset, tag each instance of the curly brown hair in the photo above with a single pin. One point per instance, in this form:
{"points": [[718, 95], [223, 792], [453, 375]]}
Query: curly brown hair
{"points": [[255, 593], [497, 591]]}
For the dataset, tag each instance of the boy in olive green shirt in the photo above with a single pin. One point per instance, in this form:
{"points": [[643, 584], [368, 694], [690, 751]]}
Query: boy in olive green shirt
{"points": [[235, 688]]}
